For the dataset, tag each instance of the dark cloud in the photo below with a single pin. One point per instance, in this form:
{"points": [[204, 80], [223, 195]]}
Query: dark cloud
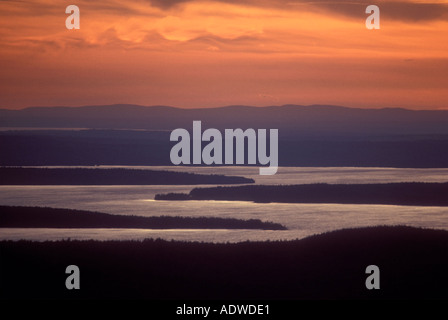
{"points": [[165, 4], [390, 10], [414, 11], [395, 10]]}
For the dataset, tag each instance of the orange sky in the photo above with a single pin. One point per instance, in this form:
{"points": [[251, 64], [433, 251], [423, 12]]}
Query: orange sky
{"points": [[189, 53]]}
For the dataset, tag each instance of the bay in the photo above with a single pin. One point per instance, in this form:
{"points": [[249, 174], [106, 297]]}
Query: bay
{"points": [[301, 219]]}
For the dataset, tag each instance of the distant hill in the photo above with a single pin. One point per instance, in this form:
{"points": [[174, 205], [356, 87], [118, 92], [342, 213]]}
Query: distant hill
{"points": [[289, 119], [321, 136]]}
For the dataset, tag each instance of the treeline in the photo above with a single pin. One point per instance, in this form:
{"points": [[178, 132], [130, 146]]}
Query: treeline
{"points": [[173, 196], [412, 261], [413, 193], [41, 217], [118, 176]]}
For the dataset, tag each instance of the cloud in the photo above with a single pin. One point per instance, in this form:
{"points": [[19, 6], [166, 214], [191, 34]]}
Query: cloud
{"points": [[209, 52], [407, 11], [402, 10], [165, 4], [415, 12]]}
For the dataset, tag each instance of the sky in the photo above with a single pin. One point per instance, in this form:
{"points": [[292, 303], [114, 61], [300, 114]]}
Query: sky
{"points": [[212, 53]]}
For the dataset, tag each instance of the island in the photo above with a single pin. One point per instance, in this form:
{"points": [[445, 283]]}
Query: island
{"points": [[110, 176], [43, 217], [406, 193]]}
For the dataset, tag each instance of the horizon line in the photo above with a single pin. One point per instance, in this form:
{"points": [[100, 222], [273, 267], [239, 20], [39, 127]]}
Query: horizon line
{"points": [[219, 107]]}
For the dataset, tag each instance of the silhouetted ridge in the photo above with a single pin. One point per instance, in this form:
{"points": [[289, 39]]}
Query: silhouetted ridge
{"points": [[413, 194], [309, 136], [287, 118], [39, 217], [84, 176], [412, 261]]}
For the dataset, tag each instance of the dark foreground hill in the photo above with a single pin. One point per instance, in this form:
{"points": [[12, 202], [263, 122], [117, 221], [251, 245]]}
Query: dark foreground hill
{"points": [[84, 176], [412, 193], [412, 262], [41, 217]]}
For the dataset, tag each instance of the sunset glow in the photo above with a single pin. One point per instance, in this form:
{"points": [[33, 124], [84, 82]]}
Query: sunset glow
{"points": [[196, 54]]}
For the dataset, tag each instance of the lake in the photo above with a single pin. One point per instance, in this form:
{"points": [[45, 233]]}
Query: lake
{"points": [[301, 219]]}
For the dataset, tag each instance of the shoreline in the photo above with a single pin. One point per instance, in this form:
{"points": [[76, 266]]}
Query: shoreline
{"points": [[22, 176], [45, 217], [412, 194]]}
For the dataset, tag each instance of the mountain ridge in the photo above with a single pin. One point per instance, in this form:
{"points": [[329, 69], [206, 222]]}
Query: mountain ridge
{"points": [[316, 135], [290, 119], [120, 105]]}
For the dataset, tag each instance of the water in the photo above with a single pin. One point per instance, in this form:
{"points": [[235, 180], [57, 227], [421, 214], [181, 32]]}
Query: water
{"points": [[307, 175], [301, 219]]}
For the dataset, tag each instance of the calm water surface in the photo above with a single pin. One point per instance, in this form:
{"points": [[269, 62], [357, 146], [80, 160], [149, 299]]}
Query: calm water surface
{"points": [[301, 219]]}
